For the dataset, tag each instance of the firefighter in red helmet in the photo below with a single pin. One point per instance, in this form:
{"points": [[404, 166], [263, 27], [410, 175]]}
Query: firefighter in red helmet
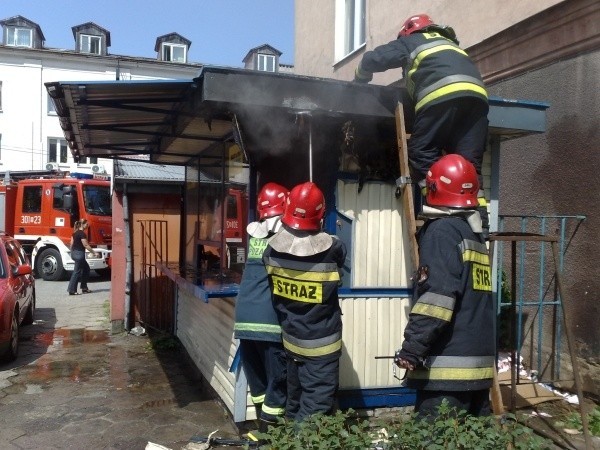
{"points": [[304, 266], [256, 324], [414, 24], [449, 345], [449, 98]]}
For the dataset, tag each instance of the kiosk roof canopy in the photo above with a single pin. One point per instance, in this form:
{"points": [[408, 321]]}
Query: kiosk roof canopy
{"points": [[177, 121]]}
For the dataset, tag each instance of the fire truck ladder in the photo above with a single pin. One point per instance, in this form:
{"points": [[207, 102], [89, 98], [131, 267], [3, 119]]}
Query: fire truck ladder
{"points": [[516, 298]]}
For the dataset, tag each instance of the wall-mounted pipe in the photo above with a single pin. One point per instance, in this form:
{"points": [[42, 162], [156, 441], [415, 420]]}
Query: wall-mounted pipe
{"points": [[128, 258]]}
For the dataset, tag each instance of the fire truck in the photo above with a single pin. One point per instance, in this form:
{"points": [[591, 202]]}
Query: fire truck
{"points": [[230, 253], [40, 213]]}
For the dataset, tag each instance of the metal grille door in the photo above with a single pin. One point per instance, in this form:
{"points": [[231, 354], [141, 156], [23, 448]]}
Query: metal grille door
{"points": [[156, 298]]}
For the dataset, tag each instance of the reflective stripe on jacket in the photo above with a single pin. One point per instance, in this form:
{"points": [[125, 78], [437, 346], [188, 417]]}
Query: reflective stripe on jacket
{"points": [[305, 297], [435, 68], [451, 328]]}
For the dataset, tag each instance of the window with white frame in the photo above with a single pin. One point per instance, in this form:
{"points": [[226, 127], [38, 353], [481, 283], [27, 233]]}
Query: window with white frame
{"points": [[350, 20], [88, 160], [51, 107], [57, 150], [174, 52], [19, 37], [90, 44], [266, 63]]}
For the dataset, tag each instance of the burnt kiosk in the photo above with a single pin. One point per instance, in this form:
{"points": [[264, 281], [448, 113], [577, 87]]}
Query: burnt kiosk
{"points": [[236, 129]]}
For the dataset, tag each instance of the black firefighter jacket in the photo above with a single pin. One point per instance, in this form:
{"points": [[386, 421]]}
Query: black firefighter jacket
{"points": [[434, 67], [450, 334], [305, 296]]}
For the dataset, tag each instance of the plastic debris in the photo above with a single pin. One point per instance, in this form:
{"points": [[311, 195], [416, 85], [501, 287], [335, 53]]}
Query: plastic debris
{"points": [[138, 331], [153, 446]]}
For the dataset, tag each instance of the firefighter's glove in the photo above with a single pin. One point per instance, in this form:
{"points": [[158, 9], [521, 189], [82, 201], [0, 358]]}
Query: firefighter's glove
{"points": [[362, 77], [400, 359], [423, 187]]}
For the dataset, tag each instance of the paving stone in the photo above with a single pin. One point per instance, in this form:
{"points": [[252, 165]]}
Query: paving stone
{"points": [[76, 386]]}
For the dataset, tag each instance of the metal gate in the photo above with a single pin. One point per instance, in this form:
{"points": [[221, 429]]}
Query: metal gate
{"points": [[533, 286], [156, 296]]}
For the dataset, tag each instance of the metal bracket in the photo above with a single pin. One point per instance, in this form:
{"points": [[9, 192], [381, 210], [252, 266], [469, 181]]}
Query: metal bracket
{"points": [[401, 183]]}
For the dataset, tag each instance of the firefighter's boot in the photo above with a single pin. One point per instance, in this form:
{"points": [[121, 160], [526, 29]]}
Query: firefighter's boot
{"points": [[263, 427]]}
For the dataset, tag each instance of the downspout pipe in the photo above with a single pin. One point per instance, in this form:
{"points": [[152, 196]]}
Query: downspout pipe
{"points": [[128, 258]]}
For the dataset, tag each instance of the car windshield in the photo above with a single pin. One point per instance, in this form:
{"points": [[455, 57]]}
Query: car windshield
{"points": [[97, 200]]}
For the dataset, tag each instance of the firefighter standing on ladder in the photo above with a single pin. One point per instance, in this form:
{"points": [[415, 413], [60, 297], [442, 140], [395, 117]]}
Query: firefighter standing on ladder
{"points": [[304, 265], [450, 99], [449, 344], [256, 323]]}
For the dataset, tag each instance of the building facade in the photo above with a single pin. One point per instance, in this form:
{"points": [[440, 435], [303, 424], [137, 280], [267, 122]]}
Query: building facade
{"points": [[30, 133]]}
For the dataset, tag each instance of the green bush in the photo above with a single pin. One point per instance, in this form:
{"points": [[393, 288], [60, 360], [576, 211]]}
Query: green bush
{"points": [[451, 429], [573, 420], [320, 432]]}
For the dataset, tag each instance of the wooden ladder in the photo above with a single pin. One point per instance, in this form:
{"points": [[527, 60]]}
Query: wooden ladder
{"points": [[404, 186]]}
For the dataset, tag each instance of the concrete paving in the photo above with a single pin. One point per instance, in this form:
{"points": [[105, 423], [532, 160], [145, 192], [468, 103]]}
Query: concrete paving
{"points": [[76, 386]]}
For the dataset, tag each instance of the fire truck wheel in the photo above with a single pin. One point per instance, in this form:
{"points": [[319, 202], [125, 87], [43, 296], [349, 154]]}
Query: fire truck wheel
{"points": [[104, 273], [49, 265]]}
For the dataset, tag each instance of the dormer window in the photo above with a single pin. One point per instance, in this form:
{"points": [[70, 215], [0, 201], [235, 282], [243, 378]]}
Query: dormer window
{"points": [[91, 39], [266, 63], [172, 47], [19, 37], [264, 58], [90, 44], [174, 52]]}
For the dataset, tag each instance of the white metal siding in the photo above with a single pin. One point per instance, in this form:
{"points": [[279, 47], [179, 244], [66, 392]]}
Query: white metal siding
{"points": [[380, 253], [372, 327], [380, 258], [206, 331]]}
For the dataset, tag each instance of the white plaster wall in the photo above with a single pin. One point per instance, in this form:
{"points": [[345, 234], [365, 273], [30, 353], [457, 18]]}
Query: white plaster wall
{"points": [[26, 126]]}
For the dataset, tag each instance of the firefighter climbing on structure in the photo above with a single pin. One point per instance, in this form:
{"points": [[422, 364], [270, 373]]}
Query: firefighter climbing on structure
{"points": [[449, 344], [256, 323], [449, 97], [303, 263]]}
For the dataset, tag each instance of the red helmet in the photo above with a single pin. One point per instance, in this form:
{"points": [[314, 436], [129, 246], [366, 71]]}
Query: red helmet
{"points": [[415, 23], [305, 207], [452, 181], [271, 200]]}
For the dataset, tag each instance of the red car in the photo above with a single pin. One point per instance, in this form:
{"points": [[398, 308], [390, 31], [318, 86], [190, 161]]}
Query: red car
{"points": [[17, 295]]}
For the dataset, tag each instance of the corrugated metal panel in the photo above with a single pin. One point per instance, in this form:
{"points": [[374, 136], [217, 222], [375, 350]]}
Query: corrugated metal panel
{"points": [[380, 252], [140, 170], [372, 327], [205, 330]]}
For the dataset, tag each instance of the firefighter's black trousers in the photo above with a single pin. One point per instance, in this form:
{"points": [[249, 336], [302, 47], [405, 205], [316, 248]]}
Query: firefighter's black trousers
{"points": [[456, 126], [312, 387], [475, 403], [265, 367]]}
